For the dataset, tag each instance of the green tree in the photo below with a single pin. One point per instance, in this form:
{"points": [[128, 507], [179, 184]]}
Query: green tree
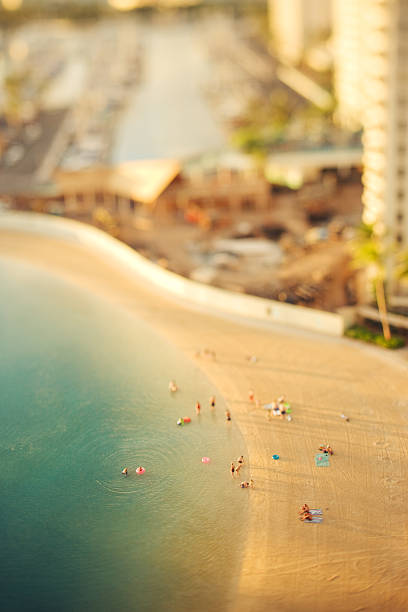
{"points": [[370, 251]]}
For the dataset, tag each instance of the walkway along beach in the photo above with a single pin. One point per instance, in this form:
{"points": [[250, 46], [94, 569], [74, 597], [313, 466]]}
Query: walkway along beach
{"points": [[357, 557]]}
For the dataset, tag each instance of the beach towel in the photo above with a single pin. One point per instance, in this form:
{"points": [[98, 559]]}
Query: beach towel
{"points": [[317, 515], [315, 519], [322, 460]]}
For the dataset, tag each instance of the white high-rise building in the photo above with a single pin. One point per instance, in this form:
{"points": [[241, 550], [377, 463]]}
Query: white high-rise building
{"points": [[385, 117], [348, 61], [297, 23]]}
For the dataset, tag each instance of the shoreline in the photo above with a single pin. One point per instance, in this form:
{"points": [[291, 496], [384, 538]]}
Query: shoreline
{"points": [[357, 557]]}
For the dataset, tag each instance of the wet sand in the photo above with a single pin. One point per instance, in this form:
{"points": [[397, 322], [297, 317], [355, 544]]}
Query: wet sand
{"points": [[357, 558]]}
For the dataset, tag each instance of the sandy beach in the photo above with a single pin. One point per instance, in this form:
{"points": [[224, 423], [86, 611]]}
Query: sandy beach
{"points": [[357, 558]]}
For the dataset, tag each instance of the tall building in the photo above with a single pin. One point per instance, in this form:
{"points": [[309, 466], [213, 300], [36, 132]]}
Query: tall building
{"points": [[385, 117], [348, 38], [295, 24]]}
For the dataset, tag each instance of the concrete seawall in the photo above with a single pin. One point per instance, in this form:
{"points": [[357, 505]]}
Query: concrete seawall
{"points": [[247, 306]]}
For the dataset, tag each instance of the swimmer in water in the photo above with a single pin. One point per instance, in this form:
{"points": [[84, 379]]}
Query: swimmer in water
{"points": [[172, 386], [125, 471]]}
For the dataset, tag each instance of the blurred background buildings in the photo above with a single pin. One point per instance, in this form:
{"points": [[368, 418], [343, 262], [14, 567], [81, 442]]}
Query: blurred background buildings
{"points": [[385, 118], [177, 124], [296, 25]]}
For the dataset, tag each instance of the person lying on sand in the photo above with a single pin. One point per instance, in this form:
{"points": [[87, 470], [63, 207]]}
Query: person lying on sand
{"points": [[326, 449], [275, 408], [306, 516]]}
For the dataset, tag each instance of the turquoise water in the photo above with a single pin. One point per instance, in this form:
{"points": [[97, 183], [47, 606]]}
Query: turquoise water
{"points": [[83, 394]]}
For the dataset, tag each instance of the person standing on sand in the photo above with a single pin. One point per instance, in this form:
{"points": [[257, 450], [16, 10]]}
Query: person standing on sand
{"points": [[240, 460], [232, 469], [198, 408], [251, 395], [239, 466], [212, 402], [228, 415]]}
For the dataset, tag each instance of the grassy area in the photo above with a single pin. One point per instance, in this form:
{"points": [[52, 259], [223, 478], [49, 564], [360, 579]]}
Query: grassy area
{"points": [[360, 332]]}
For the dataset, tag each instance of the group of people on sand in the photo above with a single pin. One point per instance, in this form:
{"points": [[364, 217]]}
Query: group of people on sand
{"points": [[235, 469], [279, 408], [206, 353]]}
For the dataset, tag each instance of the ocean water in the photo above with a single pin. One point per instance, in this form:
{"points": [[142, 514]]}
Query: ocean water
{"points": [[84, 393]]}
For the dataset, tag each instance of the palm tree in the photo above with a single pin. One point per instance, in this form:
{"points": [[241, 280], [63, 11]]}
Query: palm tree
{"points": [[370, 251]]}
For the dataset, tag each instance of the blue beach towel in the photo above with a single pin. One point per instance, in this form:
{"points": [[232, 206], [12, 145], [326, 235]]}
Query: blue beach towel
{"points": [[322, 460]]}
